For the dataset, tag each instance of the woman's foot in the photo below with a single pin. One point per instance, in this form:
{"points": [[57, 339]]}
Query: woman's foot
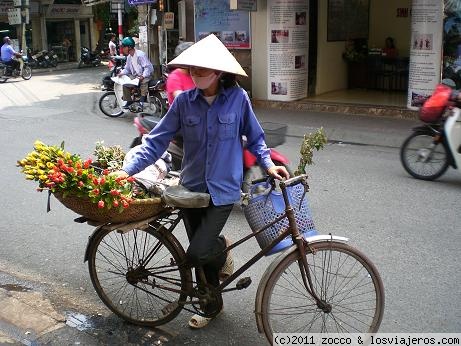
{"points": [[228, 267]]}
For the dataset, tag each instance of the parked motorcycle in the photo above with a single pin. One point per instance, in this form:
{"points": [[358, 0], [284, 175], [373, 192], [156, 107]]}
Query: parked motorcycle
{"points": [[275, 135], [40, 59], [428, 152], [110, 103], [8, 72], [88, 58], [52, 58]]}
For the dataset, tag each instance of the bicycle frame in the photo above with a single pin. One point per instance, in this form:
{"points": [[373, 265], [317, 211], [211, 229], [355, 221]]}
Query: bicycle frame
{"points": [[298, 240]]}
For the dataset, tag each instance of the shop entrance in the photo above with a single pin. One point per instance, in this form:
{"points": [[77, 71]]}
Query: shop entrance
{"points": [[61, 39]]}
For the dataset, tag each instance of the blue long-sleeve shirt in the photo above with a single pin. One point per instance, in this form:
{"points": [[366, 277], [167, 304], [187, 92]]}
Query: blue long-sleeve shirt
{"points": [[213, 152]]}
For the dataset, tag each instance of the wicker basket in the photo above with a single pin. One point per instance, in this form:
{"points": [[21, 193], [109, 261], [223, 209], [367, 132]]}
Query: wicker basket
{"points": [[139, 209]]}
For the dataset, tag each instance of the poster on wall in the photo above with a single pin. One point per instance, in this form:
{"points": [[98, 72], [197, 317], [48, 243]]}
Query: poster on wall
{"points": [[425, 50], [287, 49], [452, 42], [231, 27]]}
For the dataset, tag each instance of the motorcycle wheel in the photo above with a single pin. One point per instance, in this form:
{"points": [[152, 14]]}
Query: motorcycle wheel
{"points": [[97, 62], [156, 105], [256, 172], [109, 106], [422, 158], [26, 73], [53, 62]]}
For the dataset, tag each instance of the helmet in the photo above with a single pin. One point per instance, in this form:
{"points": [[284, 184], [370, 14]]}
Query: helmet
{"points": [[128, 42], [182, 47]]}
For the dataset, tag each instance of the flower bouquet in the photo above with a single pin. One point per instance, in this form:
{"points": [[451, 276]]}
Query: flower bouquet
{"points": [[86, 186]]}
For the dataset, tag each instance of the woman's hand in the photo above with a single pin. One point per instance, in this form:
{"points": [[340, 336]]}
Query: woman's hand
{"points": [[278, 172], [120, 174]]}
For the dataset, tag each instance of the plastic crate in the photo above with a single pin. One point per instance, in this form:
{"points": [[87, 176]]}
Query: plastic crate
{"points": [[274, 133]]}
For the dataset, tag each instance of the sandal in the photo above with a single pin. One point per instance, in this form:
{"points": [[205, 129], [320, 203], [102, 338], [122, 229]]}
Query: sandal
{"points": [[197, 321], [228, 267]]}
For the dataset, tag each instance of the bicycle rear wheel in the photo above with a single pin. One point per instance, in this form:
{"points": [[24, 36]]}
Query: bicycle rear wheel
{"points": [[137, 274], [342, 277]]}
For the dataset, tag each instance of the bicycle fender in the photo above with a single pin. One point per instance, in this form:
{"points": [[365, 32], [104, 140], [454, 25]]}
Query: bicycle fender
{"points": [[275, 263], [90, 239]]}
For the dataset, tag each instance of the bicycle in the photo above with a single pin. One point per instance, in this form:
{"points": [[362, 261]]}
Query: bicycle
{"points": [[319, 284]]}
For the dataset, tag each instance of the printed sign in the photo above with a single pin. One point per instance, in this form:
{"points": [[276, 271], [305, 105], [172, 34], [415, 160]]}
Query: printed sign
{"points": [[14, 16], [215, 17], [168, 20], [287, 51], [425, 52]]}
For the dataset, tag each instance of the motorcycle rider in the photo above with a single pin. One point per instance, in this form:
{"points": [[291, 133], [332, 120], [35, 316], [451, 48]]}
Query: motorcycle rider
{"points": [[212, 118], [137, 66], [179, 79], [9, 55]]}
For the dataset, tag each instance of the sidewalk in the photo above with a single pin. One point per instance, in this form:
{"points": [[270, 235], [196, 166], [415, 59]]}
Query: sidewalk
{"points": [[61, 66], [29, 316]]}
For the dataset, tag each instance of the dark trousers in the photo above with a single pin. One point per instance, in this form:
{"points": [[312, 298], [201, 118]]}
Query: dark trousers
{"points": [[13, 63], [203, 226]]}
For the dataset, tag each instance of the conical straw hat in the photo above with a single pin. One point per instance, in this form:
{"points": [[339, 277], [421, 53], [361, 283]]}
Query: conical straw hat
{"points": [[209, 53]]}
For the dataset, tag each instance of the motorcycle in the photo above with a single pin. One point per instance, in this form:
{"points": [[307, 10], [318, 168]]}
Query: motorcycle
{"points": [[52, 58], [145, 122], [40, 59], [88, 58], [8, 72], [110, 103], [428, 152], [116, 64]]}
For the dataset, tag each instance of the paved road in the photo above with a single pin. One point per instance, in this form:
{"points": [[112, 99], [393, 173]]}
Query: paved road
{"points": [[409, 228]]}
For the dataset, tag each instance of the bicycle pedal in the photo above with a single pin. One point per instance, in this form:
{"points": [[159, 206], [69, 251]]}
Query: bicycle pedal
{"points": [[243, 283], [170, 307]]}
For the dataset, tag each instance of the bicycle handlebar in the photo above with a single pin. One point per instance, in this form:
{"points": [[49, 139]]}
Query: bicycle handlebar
{"points": [[293, 181], [289, 182]]}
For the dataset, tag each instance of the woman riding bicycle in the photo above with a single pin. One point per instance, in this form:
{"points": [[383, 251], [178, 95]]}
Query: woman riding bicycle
{"points": [[212, 119]]}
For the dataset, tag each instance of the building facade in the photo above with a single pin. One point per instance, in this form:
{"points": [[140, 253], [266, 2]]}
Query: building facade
{"points": [[64, 28]]}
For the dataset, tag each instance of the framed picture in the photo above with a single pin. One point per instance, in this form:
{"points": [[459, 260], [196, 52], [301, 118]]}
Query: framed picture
{"points": [[347, 19]]}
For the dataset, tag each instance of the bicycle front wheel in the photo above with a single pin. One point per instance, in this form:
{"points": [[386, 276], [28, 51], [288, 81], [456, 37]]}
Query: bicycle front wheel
{"points": [[343, 278], [137, 274]]}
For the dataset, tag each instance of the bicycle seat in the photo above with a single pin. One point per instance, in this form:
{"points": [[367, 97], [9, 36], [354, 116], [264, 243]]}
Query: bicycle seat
{"points": [[180, 197]]}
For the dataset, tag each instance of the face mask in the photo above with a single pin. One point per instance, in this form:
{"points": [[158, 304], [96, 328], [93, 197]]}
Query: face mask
{"points": [[205, 82]]}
